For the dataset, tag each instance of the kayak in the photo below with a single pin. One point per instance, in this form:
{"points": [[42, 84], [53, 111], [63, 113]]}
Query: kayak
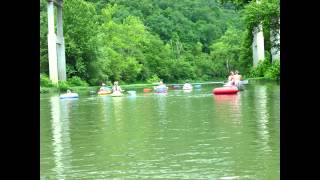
{"points": [[161, 90], [132, 93], [187, 88], [116, 94], [104, 92], [147, 90], [225, 90], [69, 95], [175, 86], [197, 86], [244, 82]]}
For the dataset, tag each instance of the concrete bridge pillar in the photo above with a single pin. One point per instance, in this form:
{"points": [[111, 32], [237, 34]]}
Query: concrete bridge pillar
{"points": [[258, 45], [60, 45], [56, 47]]}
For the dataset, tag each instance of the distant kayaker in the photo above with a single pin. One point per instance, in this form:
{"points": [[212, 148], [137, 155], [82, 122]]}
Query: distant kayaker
{"points": [[103, 87], [187, 86], [237, 78], [161, 85], [230, 79], [116, 87]]}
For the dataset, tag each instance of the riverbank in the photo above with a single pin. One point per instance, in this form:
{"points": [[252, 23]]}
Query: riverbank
{"points": [[123, 86], [139, 85]]}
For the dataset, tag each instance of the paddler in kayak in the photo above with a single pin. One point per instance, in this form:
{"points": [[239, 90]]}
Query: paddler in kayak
{"points": [[103, 87], [161, 85], [116, 88], [230, 79], [237, 78], [161, 88], [187, 86]]}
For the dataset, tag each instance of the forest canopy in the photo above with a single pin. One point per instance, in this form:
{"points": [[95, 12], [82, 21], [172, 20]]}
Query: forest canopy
{"points": [[139, 40]]}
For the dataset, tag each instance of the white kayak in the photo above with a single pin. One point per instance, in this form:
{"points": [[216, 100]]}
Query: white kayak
{"points": [[69, 95], [132, 93], [116, 94], [187, 87]]}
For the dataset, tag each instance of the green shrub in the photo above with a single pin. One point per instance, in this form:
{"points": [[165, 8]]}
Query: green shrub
{"points": [[63, 85], [274, 71], [261, 69], [45, 81], [44, 90], [77, 81], [153, 79]]}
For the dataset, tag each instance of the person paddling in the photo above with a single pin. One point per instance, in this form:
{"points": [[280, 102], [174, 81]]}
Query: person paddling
{"points": [[230, 79], [237, 78], [103, 87], [116, 87], [161, 85], [187, 86]]}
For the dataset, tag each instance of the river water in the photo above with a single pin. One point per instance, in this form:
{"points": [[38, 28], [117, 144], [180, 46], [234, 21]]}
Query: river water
{"points": [[180, 135]]}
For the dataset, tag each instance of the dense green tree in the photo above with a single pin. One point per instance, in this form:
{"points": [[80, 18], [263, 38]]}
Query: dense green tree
{"points": [[139, 40]]}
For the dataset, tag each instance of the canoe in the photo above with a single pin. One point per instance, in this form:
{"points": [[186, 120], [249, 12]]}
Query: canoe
{"points": [[69, 95], [225, 90]]}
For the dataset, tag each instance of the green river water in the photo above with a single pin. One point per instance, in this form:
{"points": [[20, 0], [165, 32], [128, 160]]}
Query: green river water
{"points": [[180, 135]]}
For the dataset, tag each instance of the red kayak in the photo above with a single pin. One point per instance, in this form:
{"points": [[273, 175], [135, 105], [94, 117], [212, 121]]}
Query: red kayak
{"points": [[147, 90], [225, 90]]}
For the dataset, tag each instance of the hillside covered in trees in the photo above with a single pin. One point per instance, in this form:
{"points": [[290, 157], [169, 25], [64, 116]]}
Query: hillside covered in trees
{"points": [[141, 40]]}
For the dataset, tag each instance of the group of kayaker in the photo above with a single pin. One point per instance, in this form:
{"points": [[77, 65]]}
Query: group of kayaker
{"points": [[186, 86], [115, 88], [234, 78]]}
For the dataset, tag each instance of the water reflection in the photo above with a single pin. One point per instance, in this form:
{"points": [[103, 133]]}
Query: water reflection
{"points": [[118, 112], [104, 104], [262, 116], [230, 105], [179, 136], [161, 99], [60, 131]]}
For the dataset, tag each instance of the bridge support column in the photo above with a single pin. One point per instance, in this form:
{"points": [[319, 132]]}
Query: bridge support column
{"points": [[56, 47], [60, 45], [258, 45], [52, 49]]}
